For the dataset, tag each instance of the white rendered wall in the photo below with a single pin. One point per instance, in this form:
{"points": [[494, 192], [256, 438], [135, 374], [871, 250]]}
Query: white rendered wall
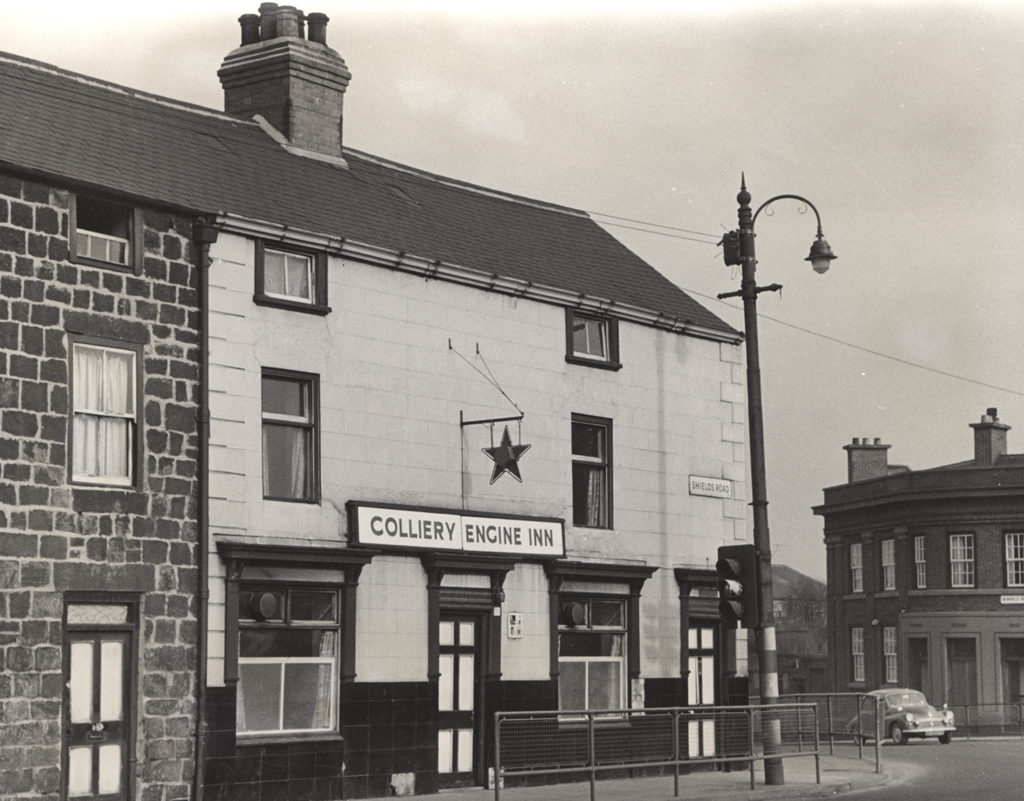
{"points": [[391, 392]]}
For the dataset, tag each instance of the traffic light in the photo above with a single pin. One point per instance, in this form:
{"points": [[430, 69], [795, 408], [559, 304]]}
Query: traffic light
{"points": [[737, 585], [731, 248]]}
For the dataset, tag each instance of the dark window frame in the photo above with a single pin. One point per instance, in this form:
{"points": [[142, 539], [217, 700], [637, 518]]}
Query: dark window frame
{"points": [[136, 226], [312, 380], [633, 577], [587, 600], [137, 445], [606, 465], [318, 304], [238, 558], [611, 362], [287, 623]]}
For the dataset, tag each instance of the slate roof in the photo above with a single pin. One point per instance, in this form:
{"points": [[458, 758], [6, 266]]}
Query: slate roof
{"points": [[88, 133]]}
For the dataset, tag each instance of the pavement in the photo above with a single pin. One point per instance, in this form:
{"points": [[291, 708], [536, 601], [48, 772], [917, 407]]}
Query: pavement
{"points": [[839, 774]]}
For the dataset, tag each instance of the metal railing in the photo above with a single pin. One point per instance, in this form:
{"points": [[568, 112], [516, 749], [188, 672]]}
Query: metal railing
{"points": [[989, 720], [846, 717], [586, 743]]}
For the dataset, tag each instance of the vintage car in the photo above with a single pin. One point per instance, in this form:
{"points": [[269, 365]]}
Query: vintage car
{"points": [[907, 714]]}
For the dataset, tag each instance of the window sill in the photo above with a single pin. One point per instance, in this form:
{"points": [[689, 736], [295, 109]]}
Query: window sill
{"points": [[600, 365], [90, 484], [246, 740], [87, 261], [291, 305], [307, 501]]}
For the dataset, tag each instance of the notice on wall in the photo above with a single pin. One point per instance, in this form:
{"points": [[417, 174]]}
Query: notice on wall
{"points": [[444, 530], [1011, 599], [712, 487]]}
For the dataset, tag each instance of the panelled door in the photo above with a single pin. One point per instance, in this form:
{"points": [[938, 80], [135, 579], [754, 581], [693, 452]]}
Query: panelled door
{"points": [[459, 665], [96, 720], [701, 688]]}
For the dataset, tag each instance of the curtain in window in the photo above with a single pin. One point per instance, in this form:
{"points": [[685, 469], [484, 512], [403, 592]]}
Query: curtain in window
{"points": [[284, 462], [322, 711], [595, 498], [104, 404]]}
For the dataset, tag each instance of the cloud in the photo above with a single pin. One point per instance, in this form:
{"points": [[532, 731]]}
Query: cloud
{"points": [[475, 107]]}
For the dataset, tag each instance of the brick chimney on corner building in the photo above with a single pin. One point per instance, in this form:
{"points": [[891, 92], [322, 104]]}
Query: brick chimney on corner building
{"points": [[295, 83], [989, 438], [866, 460]]}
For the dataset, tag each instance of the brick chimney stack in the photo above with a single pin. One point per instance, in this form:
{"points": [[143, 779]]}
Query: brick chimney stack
{"points": [[296, 84], [989, 438], [865, 460]]}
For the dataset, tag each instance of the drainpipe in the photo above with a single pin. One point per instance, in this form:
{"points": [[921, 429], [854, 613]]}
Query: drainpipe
{"points": [[203, 234]]}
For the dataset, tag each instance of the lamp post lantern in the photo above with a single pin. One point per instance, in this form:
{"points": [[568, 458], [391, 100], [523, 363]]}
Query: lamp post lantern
{"points": [[739, 249]]}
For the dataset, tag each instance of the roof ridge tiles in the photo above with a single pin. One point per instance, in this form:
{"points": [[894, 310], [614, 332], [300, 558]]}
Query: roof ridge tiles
{"points": [[128, 91]]}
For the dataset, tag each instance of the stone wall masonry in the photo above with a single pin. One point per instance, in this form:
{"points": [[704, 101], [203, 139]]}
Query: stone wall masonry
{"points": [[57, 537]]}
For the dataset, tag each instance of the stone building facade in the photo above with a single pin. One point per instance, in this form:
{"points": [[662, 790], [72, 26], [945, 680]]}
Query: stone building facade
{"points": [[98, 575]]}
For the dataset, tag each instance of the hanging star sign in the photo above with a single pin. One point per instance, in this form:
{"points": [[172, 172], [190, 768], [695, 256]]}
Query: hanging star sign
{"points": [[506, 457]]}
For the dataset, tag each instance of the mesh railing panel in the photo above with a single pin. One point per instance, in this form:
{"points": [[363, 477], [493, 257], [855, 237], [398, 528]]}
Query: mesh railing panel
{"points": [[553, 741], [842, 714], [989, 720]]}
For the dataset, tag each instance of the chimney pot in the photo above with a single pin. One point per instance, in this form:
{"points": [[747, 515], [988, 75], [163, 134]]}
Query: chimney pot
{"points": [[268, 21], [856, 440], [318, 27], [992, 412], [287, 21], [250, 28], [878, 441]]}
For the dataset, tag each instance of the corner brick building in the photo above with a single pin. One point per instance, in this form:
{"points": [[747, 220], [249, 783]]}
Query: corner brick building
{"points": [[926, 576], [319, 460]]}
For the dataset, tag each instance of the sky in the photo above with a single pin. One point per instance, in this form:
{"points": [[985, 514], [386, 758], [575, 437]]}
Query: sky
{"points": [[902, 122]]}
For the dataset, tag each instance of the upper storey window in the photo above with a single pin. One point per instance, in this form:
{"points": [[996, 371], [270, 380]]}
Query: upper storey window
{"points": [[857, 567], [591, 340], [105, 233], [290, 436], [104, 423], [888, 564], [1015, 560], [292, 279], [591, 471], [961, 560]]}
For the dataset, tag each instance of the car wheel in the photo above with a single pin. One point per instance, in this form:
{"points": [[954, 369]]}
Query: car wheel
{"points": [[896, 732], [946, 737]]}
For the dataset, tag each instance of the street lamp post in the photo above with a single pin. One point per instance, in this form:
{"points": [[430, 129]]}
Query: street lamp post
{"points": [[739, 249]]}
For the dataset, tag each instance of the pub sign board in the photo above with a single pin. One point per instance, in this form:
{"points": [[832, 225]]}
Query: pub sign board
{"points": [[452, 531]]}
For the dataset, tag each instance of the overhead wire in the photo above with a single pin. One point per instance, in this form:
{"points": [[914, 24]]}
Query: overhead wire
{"points": [[818, 334]]}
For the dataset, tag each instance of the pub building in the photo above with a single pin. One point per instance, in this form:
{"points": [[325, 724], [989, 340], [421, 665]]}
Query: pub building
{"points": [[457, 451], [468, 454]]}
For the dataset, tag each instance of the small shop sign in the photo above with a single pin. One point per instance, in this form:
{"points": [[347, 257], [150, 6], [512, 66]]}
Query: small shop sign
{"points": [[381, 526], [1011, 599]]}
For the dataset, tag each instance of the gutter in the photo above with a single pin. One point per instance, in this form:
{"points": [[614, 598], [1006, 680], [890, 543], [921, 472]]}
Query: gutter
{"points": [[467, 276], [203, 235]]}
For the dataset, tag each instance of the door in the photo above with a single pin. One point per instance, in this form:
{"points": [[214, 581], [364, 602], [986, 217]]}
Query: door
{"points": [[962, 671], [97, 726], [458, 701], [918, 674], [700, 735]]}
